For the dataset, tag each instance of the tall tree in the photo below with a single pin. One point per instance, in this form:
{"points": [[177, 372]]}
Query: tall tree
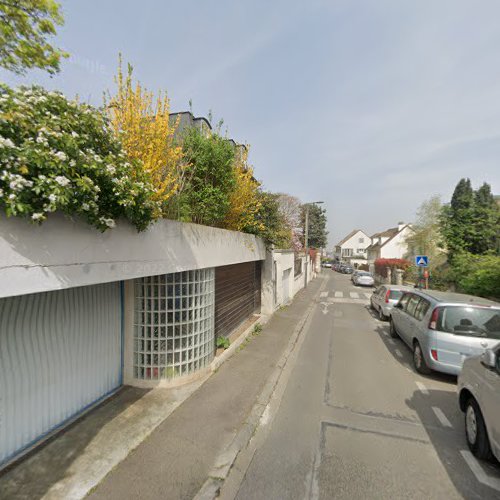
{"points": [[25, 26], [425, 236], [486, 220], [318, 235], [290, 208], [457, 219]]}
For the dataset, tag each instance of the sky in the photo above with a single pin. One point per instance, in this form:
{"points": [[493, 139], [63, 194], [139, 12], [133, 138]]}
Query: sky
{"points": [[371, 106]]}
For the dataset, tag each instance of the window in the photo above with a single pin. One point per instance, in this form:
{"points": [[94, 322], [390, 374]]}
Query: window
{"points": [[412, 305], [173, 324], [395, 294], [422, 308], [404, 300], [347, 252], [360, 251], [470, 321], [361, 240]]}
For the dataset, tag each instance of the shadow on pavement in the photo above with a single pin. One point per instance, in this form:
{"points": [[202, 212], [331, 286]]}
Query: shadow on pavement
{"points": [[34, 474], [449, 441]]}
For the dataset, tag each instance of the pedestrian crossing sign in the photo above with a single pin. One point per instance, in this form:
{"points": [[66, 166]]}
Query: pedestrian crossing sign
{"points": [[422, 261]]}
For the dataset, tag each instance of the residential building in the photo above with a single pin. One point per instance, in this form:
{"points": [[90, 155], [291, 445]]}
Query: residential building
{"points": [[352, 248], [389, 244]]}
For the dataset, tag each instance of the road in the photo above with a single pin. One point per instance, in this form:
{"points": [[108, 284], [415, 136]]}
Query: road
{"points": [[352, 419]]}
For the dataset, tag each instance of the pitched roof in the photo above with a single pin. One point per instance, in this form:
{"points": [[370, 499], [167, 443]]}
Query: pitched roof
{"points": [[350, 235]]}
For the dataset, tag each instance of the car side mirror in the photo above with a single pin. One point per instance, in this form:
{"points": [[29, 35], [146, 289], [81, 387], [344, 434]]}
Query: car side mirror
{"points": [[489, 358]]}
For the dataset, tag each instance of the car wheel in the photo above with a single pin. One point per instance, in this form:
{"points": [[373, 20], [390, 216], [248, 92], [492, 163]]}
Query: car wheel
{"points": [[381, 315], [419, 360], [475, 431], [392, 330]]}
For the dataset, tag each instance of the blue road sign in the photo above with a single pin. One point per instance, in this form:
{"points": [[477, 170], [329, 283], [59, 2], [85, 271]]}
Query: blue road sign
{"points": [[422, 261]]}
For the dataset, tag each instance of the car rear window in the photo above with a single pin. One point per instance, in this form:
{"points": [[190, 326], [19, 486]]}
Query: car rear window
{"points": [[363, 273], [470, 321], [395, 294]]}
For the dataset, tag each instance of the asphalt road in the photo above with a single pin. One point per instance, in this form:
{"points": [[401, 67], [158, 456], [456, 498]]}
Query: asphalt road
{"points": [[352, 419]]}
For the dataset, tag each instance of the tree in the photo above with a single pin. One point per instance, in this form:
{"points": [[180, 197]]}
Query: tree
{"points": [[211, 180], [142, 122], [425, 236], [244, 200], [317, 237], [25, 26], [290, 209], [274, 229], [477, 274], [457, 218], [470, 222], [486, 221]]}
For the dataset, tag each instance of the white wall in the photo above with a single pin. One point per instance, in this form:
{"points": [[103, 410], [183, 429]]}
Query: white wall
{"points": [[276, 263], [396, 248], [63, 253]]}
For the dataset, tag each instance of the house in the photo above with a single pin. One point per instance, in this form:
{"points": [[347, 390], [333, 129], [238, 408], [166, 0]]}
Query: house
{"points": [[352, 248], [389, 244]]}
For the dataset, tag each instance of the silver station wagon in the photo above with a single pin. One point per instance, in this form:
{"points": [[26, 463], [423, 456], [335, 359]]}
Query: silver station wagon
{"points": [[443, 329]]}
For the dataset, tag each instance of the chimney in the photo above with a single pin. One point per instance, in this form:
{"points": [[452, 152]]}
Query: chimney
{"points": [[401, 225]]}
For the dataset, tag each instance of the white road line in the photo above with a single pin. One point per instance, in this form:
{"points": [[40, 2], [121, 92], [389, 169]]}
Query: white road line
{"points": [[478, 471], [323, 294], [422, 388], [368, 295], [339, 294], [441, 417], [354, 295], [399, 354]]}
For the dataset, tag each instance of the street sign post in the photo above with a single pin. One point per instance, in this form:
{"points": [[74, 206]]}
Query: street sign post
{"points": [[422, 261]]}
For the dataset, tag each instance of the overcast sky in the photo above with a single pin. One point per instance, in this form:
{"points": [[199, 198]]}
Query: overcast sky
{"points": [[371, 106]]}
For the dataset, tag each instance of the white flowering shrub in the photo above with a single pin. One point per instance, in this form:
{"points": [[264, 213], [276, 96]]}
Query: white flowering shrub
{"points": [[57, 155]]}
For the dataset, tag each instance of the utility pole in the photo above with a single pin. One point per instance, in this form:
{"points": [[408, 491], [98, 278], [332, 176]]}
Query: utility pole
{"points": [[306, 236]]}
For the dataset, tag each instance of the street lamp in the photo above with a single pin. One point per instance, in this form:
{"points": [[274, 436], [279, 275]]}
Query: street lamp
{"points": [[306, 238]]}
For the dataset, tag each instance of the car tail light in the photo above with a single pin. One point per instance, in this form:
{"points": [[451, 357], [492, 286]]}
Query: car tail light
{"points": [[434, 319], [434, 354], [387, 294]]}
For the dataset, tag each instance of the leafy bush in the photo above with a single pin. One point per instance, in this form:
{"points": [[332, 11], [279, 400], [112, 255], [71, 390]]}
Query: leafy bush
{"points": [[210, 181], [477, 274], [57, 155], [381, 265], [222, 342]]}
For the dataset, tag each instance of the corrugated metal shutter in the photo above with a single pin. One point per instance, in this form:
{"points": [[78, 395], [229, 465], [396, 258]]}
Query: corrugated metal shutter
{"points": [[237, 295], [59, 352]]}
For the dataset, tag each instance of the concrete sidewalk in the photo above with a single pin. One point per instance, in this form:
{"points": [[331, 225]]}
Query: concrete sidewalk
{"points": [[197, 441]]}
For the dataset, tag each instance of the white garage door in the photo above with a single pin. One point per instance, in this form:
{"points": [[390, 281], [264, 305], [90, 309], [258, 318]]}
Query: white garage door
{"points": [[59, 353]]}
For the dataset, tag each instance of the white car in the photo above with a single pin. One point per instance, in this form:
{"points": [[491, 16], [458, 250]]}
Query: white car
{"points": [[363, 278], [479, 399]]}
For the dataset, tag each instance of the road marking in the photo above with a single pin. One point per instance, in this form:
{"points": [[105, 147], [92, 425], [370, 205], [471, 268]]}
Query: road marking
{"points": [[441, 417], [339, 294], [422, 388], [391, 341], [354, 295], [368, 295], [386, 334], [323, 294], [399, 354], [478, 471]]}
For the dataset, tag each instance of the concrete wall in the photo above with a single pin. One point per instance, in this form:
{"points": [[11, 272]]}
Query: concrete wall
{"points": [[63, 253], [276, 264]]}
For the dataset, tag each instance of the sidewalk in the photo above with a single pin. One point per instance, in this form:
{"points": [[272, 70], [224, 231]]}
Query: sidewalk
{"points": [[177, 458]]}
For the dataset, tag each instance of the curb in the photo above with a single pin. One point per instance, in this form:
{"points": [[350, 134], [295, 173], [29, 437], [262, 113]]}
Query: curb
{"points": [[212, 486]]}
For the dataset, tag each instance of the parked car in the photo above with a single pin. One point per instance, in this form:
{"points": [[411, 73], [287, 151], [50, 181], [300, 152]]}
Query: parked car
{"points": [[347, 269], [384, 298], [354, 274], [363, 278], [479, 399], [443, 329], [327, 264]]}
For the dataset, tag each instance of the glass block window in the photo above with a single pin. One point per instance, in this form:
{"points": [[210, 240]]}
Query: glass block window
{"points": [[173, 324]]}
